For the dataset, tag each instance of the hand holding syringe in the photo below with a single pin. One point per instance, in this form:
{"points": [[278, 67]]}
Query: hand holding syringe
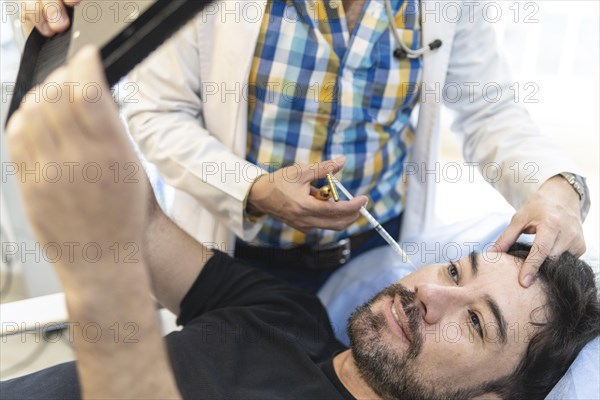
{"points": [[372, 221]]}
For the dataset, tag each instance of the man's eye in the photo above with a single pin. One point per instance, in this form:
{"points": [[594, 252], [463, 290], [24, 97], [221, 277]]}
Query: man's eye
{"points": [[476, 324], [453, 272]]}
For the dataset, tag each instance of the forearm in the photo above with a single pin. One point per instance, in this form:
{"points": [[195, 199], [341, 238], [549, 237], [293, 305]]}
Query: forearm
{"points": [[173, 258], [115, 331], [114, 324]]}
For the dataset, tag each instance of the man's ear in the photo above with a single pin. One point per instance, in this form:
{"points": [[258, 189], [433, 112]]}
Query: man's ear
{"points": [[488, 396]]}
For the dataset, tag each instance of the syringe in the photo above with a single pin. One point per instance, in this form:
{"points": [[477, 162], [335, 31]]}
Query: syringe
{"points": [[376, 225]]}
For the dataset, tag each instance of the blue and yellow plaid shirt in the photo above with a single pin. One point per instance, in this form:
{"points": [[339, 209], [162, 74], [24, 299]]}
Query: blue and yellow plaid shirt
{"points": [[318, 92]]}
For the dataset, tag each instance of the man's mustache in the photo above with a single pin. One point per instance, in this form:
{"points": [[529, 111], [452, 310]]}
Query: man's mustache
{"points": [[413, 313]]}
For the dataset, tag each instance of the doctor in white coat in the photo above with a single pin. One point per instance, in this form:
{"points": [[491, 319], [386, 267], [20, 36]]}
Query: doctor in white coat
{"points": [[196, 133]]}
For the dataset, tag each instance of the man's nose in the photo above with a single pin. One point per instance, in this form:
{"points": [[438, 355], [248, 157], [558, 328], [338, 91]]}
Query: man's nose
{"points": [[436, 301]]}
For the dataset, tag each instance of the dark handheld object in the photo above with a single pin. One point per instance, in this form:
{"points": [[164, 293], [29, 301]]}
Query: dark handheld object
{"points": [[120, 54]]}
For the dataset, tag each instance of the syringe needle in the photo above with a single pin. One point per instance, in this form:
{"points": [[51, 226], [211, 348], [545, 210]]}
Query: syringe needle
{"points": [[373, 222]]}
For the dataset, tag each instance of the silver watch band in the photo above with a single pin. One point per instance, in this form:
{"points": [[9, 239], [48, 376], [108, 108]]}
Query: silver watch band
{"points": [[580, 186]]}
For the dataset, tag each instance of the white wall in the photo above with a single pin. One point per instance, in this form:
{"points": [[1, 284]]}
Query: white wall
{"points": [[554, 47]]}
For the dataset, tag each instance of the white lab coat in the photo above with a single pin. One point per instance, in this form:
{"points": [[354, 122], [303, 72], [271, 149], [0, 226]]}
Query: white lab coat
{"points": [[188, 120]]}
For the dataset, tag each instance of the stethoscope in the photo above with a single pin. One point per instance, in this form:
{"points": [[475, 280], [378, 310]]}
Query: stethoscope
{"points": [[403, 51]]}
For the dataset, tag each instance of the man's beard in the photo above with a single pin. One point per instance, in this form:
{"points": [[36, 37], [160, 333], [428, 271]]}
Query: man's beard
{"points": [[385, 371], [390, 374]]}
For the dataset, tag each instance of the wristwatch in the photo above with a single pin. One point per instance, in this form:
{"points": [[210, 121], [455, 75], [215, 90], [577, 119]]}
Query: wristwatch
{"points": [[578, 184]]}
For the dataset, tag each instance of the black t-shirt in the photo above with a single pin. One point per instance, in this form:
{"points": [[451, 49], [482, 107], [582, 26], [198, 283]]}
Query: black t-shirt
{"points": [[247, 335]]}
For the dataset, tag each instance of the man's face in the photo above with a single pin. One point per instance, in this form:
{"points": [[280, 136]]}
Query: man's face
{"points": [[446, 329]]}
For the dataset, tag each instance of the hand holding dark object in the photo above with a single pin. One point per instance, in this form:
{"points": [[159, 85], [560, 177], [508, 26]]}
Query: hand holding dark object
{"points": [[48, 16], [287, 195], [102, 210]]}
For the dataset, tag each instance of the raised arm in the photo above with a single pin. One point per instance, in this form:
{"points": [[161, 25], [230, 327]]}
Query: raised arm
{"points": [[95, 217], [498, 132], [173, 258]]}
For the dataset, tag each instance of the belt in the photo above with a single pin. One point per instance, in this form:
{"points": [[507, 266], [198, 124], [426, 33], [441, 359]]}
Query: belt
{"points": [[328, 256]]}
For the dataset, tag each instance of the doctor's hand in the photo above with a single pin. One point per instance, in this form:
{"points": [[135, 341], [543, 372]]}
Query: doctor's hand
{"points": [[48, 16], [103, 205], [552, 213], [287, 195]]}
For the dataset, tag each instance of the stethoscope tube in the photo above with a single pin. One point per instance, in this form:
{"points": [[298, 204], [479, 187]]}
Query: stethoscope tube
{"points": [[404, 51]]}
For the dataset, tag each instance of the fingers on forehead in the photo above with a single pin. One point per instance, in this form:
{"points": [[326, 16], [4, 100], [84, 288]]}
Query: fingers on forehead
{"points": [[542, 245], [510, 235]]}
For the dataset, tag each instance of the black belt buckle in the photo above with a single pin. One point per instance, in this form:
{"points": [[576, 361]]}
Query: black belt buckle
{"points": [[331, 255], [324, 257]]}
